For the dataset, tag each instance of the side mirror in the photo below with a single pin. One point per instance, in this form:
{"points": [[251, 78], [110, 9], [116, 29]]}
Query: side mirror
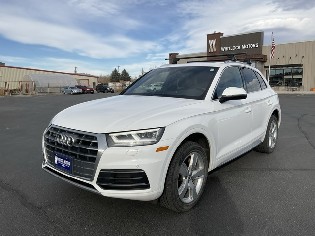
{"points": [[233, 93]]}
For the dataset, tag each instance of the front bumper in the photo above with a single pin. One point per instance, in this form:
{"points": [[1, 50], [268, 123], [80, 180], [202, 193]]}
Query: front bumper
{"points": [[137, 159]]}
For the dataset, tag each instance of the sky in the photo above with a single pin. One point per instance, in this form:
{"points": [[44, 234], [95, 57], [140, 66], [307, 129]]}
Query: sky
{"points": [[97, 36]]}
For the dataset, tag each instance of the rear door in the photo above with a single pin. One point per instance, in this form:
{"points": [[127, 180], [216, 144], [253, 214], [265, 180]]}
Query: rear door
{"points": [[258, 97]]}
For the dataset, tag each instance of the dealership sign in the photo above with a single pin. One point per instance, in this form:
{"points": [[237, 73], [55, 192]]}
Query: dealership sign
{"points": [[245, 43], [239, 47]]}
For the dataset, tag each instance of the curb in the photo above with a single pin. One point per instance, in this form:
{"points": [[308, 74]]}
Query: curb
{"points": [[296, 92]]}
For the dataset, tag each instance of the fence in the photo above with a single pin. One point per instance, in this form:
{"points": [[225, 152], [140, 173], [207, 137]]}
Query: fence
{"points": [[17, 87], [26, 88]]}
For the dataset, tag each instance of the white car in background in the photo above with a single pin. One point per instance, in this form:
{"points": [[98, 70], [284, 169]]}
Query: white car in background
{"points": [[72, 90], [160, 144]]}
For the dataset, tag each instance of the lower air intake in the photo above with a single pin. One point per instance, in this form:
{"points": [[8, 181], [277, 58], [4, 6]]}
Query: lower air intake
{"points": [[123, 180]]}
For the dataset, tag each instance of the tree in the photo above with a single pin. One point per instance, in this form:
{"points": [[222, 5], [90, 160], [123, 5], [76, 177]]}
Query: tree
{"points": [[115, 76], [125, 76], [104, 79]]}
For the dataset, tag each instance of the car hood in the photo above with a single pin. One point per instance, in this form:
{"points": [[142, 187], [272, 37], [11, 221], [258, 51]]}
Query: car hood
{"points": [[127, 112]]}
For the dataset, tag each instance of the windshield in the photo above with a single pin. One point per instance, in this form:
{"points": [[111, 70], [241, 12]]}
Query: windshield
{"points": [[183, 82]]}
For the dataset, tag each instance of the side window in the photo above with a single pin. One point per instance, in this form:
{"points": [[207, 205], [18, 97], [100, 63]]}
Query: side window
{"points": [[230, 77], [251, 81], [261, 80]]}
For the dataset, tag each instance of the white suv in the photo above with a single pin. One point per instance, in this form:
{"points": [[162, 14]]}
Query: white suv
{"points": [[160, 144]]}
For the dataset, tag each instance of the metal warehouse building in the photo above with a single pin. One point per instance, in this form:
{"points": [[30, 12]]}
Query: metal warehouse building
{"points": [[291, 68], [28, 80]]}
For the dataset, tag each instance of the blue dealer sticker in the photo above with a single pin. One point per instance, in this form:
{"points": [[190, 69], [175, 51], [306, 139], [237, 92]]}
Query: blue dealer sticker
{"points": [[63, 162]]}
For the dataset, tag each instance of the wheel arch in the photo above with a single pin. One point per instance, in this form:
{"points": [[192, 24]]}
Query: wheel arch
{"points": [[196, 135], [201, 139], [276, 113]]}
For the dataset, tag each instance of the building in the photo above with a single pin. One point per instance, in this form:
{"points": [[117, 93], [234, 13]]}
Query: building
{"points": [[291, 68], [22, 79]]}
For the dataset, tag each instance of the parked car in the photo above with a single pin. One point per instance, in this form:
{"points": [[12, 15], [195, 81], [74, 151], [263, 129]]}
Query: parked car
{"points": [[71, 90], [146, 144], [85, 89], [104, 88], [276, 82]]}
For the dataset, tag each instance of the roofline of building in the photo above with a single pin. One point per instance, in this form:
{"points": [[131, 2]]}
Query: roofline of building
{"points": [[308, 41], [57, 72]]}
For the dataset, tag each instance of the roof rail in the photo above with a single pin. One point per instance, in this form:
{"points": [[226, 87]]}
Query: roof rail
{"points": [[245, 61], [231, 57]]}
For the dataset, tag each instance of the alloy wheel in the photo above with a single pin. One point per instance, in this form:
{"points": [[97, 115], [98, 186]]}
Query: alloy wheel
{"points": [[273, 134], [191, 177]]}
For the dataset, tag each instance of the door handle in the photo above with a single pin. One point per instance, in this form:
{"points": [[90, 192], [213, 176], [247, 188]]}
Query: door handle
{"points": [[248, 110]]}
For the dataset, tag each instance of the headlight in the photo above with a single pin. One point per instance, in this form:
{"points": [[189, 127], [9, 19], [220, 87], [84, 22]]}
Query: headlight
{"points": [[134, 138]]}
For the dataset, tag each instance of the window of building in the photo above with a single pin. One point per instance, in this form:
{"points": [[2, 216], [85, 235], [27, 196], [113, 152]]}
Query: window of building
{"points": [[290, 76]]}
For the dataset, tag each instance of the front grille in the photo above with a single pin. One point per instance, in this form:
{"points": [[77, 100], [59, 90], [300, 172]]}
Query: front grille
{"points": [[83, 151], [123, 180]]}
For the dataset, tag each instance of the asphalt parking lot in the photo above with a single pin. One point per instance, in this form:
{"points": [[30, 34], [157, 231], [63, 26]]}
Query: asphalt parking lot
{"points": [[257, 194]]}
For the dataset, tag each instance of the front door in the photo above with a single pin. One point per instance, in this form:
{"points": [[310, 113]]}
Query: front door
{"points": [[233, 118]]}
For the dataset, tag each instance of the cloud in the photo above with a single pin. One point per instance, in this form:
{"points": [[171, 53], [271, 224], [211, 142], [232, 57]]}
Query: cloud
{"points": [[157, 56], [67, 65], [11, 59], [56, 64], [139, 34], [135, 69], [202, 17], [94, 67], [289, 5], [109, 13], [30, 31], [91, 28], [96, 7], [289, 23]]}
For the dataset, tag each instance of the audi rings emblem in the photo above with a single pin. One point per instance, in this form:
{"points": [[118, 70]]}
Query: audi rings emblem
{"points": [[65, 139]]}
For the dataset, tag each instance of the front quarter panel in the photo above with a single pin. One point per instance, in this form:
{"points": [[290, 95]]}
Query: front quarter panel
{"points": [[201, 124]]}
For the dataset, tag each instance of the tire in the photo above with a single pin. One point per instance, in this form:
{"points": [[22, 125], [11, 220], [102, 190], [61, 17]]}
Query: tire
{"points": [[270, 140], [184, 185]]}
